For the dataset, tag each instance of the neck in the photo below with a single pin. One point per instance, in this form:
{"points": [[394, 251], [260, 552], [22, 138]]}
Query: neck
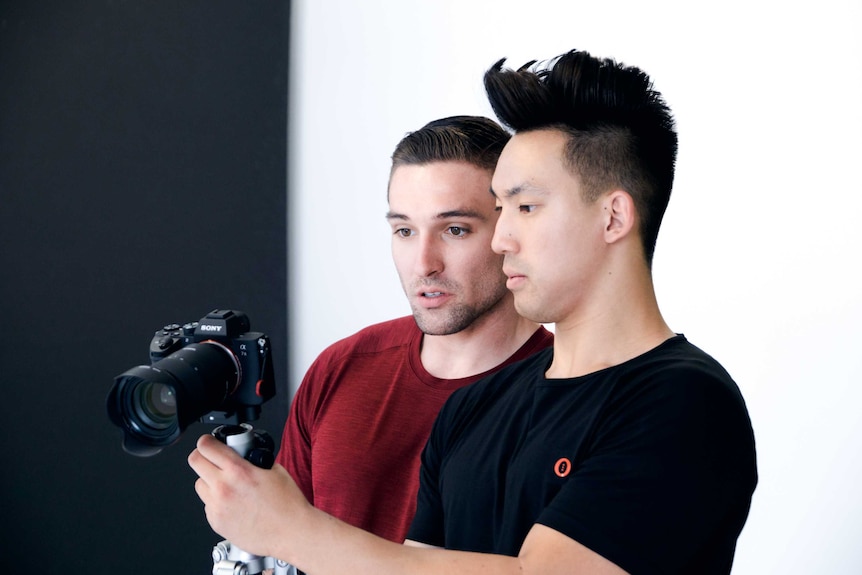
{"points": [[485, 344], [622, 323]]}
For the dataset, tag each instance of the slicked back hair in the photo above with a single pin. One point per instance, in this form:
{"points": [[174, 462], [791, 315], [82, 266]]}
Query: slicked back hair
{"points": [[621, 132], [472, 139]]}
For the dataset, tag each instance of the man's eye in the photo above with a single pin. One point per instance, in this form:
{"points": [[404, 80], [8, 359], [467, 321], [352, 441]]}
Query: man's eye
{"points": [[458, 231], [526, 209], [404, 232]]}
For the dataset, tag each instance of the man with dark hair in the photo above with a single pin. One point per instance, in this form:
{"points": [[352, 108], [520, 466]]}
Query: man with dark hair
{"points": [[366, 405], [624, 449]]}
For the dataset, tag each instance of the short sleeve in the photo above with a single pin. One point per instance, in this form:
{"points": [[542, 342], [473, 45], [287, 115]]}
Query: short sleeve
{"points": [[670, 467], [295, 452]]}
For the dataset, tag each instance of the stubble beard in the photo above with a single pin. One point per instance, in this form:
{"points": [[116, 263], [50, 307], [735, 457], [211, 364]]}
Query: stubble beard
{"points": [[457, 317]]}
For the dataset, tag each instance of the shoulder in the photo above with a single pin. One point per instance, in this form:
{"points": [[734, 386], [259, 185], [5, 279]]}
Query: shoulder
{"points": [[680, 387], [680, 369], [374, 338], [369, 346]]}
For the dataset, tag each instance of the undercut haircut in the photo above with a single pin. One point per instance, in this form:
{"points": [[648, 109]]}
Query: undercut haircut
{"points": [[621, 133]]}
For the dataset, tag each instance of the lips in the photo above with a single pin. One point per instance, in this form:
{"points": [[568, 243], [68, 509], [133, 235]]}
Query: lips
{"points": [[431, 296], [431, 293], [514, 279], [425, 289], [431, 300], [510, 273]]}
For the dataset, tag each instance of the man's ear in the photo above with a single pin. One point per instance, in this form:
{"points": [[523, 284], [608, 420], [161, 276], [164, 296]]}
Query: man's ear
{"points": [[620, 215]]}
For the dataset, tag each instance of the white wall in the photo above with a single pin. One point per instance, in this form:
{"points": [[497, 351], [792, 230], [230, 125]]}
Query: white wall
{"points": [[759, 255]]}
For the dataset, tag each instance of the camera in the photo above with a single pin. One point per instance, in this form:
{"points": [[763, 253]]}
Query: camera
{"points": [[213, 370]]}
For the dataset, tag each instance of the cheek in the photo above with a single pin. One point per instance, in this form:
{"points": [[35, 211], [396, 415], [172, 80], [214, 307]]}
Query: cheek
{"points": [[401, 259], [553, 268], [482, 271], [490, 264]]}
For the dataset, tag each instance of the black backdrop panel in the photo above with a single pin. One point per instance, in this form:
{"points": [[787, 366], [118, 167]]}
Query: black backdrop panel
{"points": [[142, 182]]}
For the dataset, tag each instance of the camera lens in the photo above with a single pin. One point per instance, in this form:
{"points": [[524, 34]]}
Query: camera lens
{"points": [[155, 404], [145, 402]]}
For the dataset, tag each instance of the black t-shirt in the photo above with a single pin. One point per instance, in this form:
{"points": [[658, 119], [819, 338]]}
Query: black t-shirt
{"points": [[650, 463]]}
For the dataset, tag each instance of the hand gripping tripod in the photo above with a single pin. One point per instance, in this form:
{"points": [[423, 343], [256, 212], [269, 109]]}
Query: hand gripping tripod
{"points": [[256, 447]]}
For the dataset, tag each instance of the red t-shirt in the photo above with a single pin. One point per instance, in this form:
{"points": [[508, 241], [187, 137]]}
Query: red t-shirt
{"points": [[360, 419]]}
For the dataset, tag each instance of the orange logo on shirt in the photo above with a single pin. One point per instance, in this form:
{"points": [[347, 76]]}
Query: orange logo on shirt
{"points": [[562, 467]]}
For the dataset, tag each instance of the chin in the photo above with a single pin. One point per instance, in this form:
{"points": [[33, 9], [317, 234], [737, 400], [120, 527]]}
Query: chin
{"points": [[446, 324], [533, 311], [436, 329], [429, 326]]}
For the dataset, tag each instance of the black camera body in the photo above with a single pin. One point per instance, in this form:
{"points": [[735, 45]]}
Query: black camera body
{"points": [[214, 370], [248, 384]]}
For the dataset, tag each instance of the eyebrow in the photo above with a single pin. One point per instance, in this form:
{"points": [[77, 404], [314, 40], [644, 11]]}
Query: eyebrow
{"points": [[515, 190], [447, 215]]}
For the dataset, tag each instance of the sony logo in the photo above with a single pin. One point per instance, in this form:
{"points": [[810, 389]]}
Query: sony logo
{"points": [[205, 327]]}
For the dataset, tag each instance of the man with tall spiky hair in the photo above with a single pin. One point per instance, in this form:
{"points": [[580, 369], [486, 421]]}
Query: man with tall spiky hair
{"points": [[624, 448]]}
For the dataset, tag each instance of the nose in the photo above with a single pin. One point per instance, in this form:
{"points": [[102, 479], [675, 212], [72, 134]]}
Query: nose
{"points": [[429, 260], [503, 242]]}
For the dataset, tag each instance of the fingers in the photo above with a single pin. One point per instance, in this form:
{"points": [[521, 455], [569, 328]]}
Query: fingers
{"points": [[211, 456], [200, 463], [217, 452], [205, 471], [244, 504], [209, 463]]}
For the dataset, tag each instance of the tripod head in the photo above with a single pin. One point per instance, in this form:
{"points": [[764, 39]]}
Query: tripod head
{"points": [[252, 445]]}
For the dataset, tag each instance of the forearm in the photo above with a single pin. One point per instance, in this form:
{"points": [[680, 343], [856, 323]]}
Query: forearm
{"points": [[264, 512], [326, 546]]}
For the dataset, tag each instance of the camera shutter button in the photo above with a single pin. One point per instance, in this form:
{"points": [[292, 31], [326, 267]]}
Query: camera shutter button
{"points": [[165, 342]]}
